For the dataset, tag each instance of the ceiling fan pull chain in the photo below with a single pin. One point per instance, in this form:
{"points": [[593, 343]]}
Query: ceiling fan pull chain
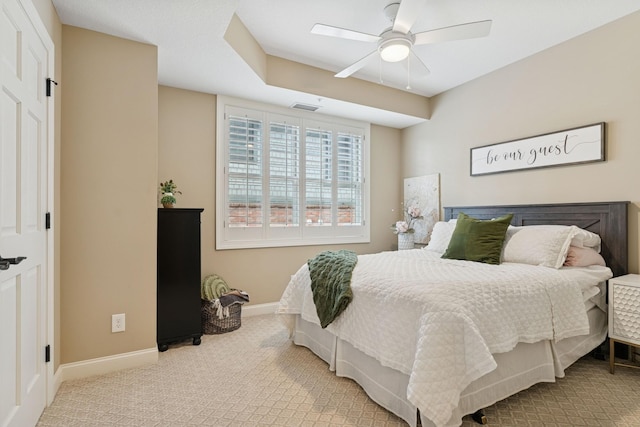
{"points": [[380, 69]]}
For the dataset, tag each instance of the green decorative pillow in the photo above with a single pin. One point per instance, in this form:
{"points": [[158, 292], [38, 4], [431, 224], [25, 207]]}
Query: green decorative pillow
{"points": [[478, 240]]}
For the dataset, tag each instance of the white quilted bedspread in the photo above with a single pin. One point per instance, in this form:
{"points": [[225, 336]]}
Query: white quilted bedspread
{"points": [[439, 321]]}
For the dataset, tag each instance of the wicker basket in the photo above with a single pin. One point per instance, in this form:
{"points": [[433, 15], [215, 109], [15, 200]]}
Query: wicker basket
{"points": [[212, 325]]}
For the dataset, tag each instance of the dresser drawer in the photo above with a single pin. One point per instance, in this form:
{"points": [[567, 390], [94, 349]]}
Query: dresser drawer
{"points": [[626, 326], [626, 298]]}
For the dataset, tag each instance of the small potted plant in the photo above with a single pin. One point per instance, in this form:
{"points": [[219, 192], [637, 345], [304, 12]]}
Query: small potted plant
{"points": [[168, 191]]}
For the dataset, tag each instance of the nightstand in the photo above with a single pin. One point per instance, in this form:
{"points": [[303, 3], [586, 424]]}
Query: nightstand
{"points": [[624, 314]]}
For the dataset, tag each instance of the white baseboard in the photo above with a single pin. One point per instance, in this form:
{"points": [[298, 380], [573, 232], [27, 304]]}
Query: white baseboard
{"points": [[104, 365], [56, 382], [259, 309]]}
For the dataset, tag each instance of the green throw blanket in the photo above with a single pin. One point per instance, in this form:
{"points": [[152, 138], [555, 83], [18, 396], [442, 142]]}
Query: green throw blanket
{"points": [[330, 273]]}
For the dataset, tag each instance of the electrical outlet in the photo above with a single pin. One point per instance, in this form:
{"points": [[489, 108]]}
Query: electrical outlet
{"points": [[117, 322]]}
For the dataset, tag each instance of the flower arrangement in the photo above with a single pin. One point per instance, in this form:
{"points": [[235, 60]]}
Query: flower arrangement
{"points": [[411, 214], [168, 189]]}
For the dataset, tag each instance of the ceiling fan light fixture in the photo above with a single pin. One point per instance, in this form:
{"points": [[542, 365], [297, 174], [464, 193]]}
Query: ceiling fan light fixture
{"points": [[394, 50]]}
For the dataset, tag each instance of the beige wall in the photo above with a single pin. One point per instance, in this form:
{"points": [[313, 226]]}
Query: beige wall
{"points": [[187, 155], [586, 80], [108, 193]]}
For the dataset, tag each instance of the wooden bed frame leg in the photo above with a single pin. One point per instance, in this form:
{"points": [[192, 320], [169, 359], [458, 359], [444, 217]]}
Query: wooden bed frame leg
{"points": [[479, 417]]}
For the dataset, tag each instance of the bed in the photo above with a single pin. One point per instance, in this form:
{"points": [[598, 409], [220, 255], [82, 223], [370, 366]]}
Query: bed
{"points": [[477, 333]]}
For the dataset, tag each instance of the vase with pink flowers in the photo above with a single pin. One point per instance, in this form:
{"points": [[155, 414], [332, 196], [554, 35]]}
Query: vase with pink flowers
{"points": [[404, 228]]}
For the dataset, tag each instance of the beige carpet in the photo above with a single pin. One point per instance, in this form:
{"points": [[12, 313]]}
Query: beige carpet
{"points": [[255, 376]]}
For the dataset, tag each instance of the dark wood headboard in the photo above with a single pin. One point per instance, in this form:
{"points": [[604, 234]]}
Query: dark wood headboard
{"points": [[607, 219]]}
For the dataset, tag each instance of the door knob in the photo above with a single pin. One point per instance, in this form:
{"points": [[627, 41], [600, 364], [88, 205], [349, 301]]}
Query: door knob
{"points": [[5, 263]]}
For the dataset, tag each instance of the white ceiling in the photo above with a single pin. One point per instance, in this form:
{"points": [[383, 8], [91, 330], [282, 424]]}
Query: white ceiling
{"points": [[192, 53]]}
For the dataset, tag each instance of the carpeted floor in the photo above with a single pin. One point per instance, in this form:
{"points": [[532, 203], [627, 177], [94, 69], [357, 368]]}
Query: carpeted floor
{"points": [[255, 376]]}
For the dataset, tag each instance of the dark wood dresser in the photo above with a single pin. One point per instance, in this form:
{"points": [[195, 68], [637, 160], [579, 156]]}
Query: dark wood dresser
{"points": [[178, 291]]}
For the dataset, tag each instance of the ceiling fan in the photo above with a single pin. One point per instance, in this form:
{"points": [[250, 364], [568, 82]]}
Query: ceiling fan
{"points": [[396, 42]]}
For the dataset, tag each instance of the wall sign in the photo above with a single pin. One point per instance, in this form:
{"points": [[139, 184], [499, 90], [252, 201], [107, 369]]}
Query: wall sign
{"points": [[578, 145]]}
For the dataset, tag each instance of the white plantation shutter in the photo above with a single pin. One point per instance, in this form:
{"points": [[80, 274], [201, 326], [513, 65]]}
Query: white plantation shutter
{"points": [[289, 180], [244, 207], [318, 177], [284, 172], [350, 179]]}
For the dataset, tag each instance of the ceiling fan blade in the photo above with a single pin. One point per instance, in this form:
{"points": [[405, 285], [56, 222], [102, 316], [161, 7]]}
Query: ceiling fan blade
{"points": [[408, 12], [328, 30], [417, 58], [355, 66], [469, 30]]}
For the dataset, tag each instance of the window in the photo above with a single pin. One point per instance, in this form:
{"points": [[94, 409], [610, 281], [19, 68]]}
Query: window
{"points": [[289, 179]]}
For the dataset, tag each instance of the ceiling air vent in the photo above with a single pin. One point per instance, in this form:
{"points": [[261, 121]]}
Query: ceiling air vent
{"points": [[305, 107]]}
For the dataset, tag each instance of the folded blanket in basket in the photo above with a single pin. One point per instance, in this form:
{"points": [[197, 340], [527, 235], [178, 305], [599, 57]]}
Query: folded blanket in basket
{"points": [[234, 297]]}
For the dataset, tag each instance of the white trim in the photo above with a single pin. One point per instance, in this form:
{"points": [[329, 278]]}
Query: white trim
{"points": [[42, 32], [105, 365], [55, 384], [259, 309]]}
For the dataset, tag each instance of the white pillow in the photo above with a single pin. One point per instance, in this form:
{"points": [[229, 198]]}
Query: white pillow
{"points": [[545, 245], [440, 236], [585, 239], [511, 230]]}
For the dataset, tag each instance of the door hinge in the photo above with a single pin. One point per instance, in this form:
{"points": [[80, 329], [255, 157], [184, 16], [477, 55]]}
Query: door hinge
{"points": [[47, 220], [47, 353], [49, 81]]}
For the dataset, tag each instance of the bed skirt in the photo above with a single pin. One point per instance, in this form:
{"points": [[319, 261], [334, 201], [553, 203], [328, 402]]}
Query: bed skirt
{"points": [[519, 369]]}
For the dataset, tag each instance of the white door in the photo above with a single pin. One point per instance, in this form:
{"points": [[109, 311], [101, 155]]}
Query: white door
{"points": [[23, 203]]}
